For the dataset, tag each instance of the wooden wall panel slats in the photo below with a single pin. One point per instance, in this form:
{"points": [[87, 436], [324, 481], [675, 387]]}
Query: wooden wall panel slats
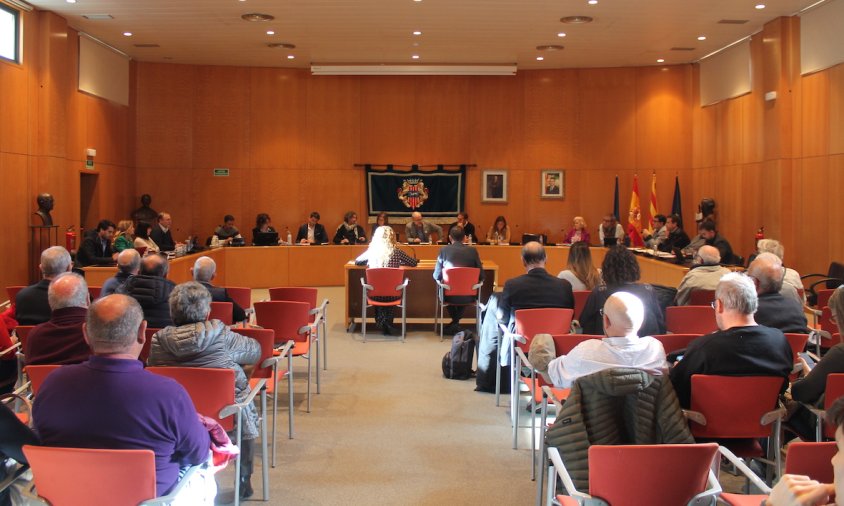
{"points": [[221, 122], [815, 193], [172, 191], [550, 99], [164, 125], [334, 122], [219, 196], [442, 120], [16, 207], [663, 118], [388, 117], [836, 110], [52, 79], [816, 111], [606, 118], [277, 116]]}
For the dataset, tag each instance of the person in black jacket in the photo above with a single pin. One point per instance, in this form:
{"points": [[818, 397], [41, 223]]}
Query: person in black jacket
{"points": [[312, 232], [775, 310], [161, 232], [31, 305], [535, 289], [468, 228], [620, 272], [204, 270], [96, 248], [677, 238], [457, 254], [151, 289], [710, 235], [349, 232]]}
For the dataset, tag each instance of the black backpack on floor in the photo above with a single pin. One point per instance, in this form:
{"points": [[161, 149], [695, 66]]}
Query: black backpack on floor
{"points": [[457, 363]]}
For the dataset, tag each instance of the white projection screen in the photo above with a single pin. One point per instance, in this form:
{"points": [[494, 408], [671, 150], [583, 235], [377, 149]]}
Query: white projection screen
{"points": [[821, 41], [103, 72], [726, 74]]}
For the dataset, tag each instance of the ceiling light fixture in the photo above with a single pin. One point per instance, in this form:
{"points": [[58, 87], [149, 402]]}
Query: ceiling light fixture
{"points": [[290, 57], [760, 6], [561, 34], [281, 45], [660, 60], [550, 47], [127, 34], [71, 1], [270, 32], [417, 32], [540, 58], [702, 37], [415, 57], [410, 70], [257, 17], [592, 2], [576, 20]]}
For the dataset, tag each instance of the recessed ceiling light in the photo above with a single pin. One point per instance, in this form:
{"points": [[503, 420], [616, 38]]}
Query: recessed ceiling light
{"points": [[760, 6], [257, 16], [540, 58], [417, 32], [592, 2], [702, 37], [127, 34], [550, 47], [576, 20], [281, 45], [71, 1], [416, 56], [270, 32], [290, 57], [561, 34], [660, 60]]}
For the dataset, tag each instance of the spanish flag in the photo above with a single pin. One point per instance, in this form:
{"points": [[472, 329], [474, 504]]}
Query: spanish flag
{"points": [[634, 219], [654, 206]]}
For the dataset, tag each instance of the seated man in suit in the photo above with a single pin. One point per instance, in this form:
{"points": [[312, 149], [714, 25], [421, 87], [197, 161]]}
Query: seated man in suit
{"points": [[128, 265], [705, 274], [710, 235], [676, 237], [775, 309], [151, 289], [417, 230], [457, 254], [60, 340], [31, 304], [741, 347], [204, 270], [96, 249], [161, 232], [312, 232], [110, 401], [623, 316]]}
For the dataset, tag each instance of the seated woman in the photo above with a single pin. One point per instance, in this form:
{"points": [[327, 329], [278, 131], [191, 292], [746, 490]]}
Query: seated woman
{"points": [[383, 252], [263, 225], [499, 232], [578, 232], [349, 232], [383, 219], [142, 238], [195, 342], [620, 272], [580, 271], [124, 238]]}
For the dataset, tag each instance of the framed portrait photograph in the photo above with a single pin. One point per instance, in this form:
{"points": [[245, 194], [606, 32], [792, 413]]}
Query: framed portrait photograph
{"points": [[553, 184], [494, 185]]}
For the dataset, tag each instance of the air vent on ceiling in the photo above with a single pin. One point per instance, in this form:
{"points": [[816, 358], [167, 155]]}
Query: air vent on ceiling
{"points": [[282, 45], [147, 45], [550, 47], [682, 49], [732, 21], [576, 20], [97, 16], [257, 16]]}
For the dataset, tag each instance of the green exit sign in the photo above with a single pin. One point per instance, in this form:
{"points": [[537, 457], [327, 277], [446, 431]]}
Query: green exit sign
{"points": [[221, 172]]}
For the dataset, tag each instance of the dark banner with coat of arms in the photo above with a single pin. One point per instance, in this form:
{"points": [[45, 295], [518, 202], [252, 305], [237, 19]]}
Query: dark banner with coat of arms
{"points": [[435, 192]]}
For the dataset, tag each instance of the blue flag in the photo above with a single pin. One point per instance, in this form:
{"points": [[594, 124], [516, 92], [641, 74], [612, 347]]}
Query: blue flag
{"points": [[677, 204], [615, 200]]}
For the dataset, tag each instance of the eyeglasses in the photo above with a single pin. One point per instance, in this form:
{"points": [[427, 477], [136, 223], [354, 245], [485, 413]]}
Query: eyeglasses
{"points": [[601, 311], [713, 303]]}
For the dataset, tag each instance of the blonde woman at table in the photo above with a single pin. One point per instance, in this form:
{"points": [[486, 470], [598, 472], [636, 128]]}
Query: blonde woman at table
{"points": [[383, 252], [499, 232], [578, 232], [123, 238]]}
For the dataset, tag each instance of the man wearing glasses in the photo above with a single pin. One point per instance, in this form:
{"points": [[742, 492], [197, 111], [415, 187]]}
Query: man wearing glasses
{"points": [[775, 309], [705, 273]]}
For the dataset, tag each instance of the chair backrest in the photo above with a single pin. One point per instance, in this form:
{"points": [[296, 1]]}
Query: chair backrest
{"points": [[826, 321], [12, 291], [461, 280], [384, 281], [22, 331], [564, 343], [797, 342], [147, 344], [266, 338], [554, 321], [674, 342], [94, 292], [733, 405], [836, 271], [635, 475], [823, 296], [811, 459], [37, 374], [210, 389], [222, 311], [241, 295], [580, 297], [284, 317], [296, 294], [701, 297], [690, 319], [116, 477], [833, 391]]}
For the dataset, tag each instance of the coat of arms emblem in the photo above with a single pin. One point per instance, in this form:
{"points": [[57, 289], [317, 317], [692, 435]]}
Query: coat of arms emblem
{"points": [[413, 193]]}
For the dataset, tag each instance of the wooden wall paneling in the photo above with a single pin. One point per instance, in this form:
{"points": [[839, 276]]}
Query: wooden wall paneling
{"points": [[164, 115], [107, 131], [334, 122], [703, 125], [76, 126], [729, 131], [752, 148], [388, 116], [835, 210], [781, 40], [219, 196], [277, 112], [171, 191], [815, 111], [550, 98], [52, 79], [14, 104], [663, 117], [442, 119], [331, 192], [116, 194], [16, 208], [606, 118], [815, 195], [221, 119], [836, 109], [276, 193]]}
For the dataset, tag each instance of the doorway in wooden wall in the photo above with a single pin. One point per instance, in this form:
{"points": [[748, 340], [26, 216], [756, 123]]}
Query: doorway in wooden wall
{"points": [[89, 210]]}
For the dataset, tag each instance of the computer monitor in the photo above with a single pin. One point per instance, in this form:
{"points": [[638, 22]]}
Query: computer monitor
{"points": [[540, 238], [610, 241], [266, 239]]}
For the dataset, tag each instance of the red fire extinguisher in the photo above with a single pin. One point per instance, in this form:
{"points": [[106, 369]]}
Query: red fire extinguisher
{"points": [[760, 234], [70, 239]]}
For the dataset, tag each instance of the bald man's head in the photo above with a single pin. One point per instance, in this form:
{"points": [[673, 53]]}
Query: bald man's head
{"points": [[709, 255], [623, 315], [154, 265], [129, 261], [114, 325], [533, 255], [67, 290], [204, 269], [768, 273]]}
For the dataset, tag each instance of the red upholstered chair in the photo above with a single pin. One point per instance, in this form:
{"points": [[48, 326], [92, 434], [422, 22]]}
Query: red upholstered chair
{"points": [[656, 475], [37, 374], [384, 282], [222, 311], [701, 297], [580, 297], [267, 368], [291, 322], [797, 342], [12, 291], [212, 392], [823, 297], [94, 292], [319, 314], [674, 342], [144, 356], [690, 320], [243, 297], [834, 389], [458, 281], [738, 410], [114, 477]]}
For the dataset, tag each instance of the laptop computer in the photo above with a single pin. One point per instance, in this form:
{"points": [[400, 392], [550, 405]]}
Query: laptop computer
{"points": [[266, 239]]}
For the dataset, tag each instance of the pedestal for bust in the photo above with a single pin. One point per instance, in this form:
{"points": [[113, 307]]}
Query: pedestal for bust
{"points": [[42, 237]]}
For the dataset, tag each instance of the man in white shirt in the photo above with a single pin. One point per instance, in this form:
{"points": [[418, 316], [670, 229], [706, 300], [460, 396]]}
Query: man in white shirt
{"points": [[623, 316], [705, 274]]}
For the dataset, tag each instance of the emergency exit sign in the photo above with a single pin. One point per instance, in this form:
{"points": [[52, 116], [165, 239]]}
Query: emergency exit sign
{"points": [[221, 172]]}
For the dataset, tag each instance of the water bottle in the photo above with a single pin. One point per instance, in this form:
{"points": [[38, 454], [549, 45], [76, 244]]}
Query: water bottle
{"points": [[289, 237]]}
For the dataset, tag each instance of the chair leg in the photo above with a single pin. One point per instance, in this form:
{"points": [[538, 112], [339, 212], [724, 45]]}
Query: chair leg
{"points": [[533, 424], [265, 471], [309, 383], [363, 314], [317, 365], [324, 337], [403, 319], [289, 397], [514, 401], [541, 458], [498, 373], [550, 486], [239, 429]]}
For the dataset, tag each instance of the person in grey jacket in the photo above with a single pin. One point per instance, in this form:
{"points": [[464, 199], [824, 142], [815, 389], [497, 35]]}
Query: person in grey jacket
{"points": [[195, 342]]}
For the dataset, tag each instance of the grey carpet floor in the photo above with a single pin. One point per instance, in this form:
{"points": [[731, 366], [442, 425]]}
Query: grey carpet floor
{"points": [[389, 429]]}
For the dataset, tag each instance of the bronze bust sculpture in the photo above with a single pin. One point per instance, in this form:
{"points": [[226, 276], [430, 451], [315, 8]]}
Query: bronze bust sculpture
{"points": [[45, 205], [145, 213]]}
